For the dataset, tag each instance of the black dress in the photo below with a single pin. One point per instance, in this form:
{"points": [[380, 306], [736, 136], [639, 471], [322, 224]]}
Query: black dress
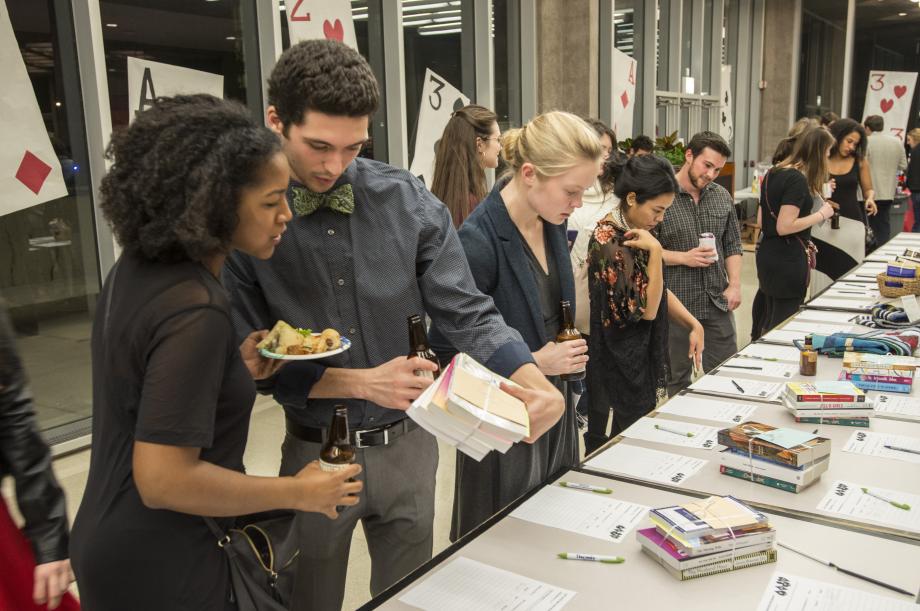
{"points": [[845, 194], [782, 264], [168, 371], [629, 365]]}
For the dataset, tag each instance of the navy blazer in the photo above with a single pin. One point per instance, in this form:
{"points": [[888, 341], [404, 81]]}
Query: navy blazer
{"points": [[495, 251]]}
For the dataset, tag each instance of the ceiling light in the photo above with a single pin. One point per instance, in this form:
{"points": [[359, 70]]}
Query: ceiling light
{"points": [[111, 25], [902, 14], [58, 104], [231, 38]]}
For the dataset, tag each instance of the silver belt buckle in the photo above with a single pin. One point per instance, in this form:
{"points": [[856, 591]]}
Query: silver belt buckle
{"points": [[359, 443]]}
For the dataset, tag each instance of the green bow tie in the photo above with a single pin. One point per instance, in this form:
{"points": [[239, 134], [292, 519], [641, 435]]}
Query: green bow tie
{"points": [[305, 202]]}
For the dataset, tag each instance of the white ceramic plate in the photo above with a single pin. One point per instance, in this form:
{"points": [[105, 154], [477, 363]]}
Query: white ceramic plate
{"points": [[346, 344]]}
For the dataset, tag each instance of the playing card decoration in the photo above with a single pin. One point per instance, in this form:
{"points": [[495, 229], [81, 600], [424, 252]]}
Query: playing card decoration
{"points": [[439, 100], [624, 94], [30, 172], [147, 80], [330, 19], [726, 124], [889, 95]]}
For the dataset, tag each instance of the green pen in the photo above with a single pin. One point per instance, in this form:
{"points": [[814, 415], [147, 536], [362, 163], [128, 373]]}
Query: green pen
{"points": [[588, 487], [592, 558], [675, 431], [903, 506]]}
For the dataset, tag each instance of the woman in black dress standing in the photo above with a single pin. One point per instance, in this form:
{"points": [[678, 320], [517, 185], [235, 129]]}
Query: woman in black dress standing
{"points": [[630, 306], [193, 177], [786, 220]]}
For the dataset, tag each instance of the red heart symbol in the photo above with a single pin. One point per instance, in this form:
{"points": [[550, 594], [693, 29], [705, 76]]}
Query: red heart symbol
{"points": [[334, 32], [886, 105], [900, 90]]}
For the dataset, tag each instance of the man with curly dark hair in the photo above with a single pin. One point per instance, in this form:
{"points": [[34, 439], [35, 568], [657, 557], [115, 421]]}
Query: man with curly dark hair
{"points": [[193, 178], [369, 246]]}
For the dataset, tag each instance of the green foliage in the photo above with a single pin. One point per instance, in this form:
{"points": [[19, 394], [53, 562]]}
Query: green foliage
{"points": [[671, 149]]}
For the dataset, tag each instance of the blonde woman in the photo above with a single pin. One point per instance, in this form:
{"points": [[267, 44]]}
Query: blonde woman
{"points": [[515, 243]]}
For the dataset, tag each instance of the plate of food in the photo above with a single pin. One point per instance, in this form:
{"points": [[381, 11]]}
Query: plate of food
{"points": [[288, 343]]}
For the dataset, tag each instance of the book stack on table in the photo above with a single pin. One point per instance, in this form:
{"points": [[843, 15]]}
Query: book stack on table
{"points": [[466, 408], [841, 403], [787, 459], [884, 372], [708, 536]]}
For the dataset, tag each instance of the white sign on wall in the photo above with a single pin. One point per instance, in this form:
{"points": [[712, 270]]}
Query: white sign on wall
{"points": [[889, 95], [30, 172], [624, 94], [439, 100], [312, 19], [148, 80], [726, 123]]}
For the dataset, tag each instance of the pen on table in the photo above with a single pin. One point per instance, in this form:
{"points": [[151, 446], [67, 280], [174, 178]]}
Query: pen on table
{"points": [[843, 570], [900, 449], [742, 367], [897, 504], [738, 386], [759, 358], [675, 431], [592, 558], [851, 292], [589, 487]]}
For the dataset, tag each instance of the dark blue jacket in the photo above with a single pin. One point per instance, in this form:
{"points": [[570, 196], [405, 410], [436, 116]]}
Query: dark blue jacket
{"points": [[495, 251]]}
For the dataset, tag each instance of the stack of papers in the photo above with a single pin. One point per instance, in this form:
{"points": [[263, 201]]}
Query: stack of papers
{"points": [[787, 592], [786, 459], [466, 408], [708, 536], [738, 387]]}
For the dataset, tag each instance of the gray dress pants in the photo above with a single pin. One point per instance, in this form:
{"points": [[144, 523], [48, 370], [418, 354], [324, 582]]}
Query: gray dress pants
{"points": [[720, 341], [396, 511]]}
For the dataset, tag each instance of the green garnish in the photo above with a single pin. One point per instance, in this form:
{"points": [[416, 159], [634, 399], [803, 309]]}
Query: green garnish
{"points": [[305, 332]]}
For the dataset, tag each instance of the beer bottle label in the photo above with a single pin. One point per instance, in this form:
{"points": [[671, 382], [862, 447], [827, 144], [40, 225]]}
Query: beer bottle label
{"points": [[332, 467]]}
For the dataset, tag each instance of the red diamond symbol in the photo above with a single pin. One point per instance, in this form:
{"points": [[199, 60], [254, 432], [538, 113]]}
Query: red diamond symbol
{"points": [[32, 172], [624, 99]]}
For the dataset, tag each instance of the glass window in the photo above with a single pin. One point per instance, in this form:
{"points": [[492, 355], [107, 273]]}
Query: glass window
{"points": [[206, 36], [823, 43], [49, 270], [432, 35], [507, 63], [663, 43], [709, 19], [688, 39], [624, 25]]}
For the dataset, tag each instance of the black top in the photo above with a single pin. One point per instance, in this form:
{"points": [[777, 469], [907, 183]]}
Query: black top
{"points": [[913, 170], [845, 193], [168, 371], [548, 289], [26, 456], [782, 266], [629, 354]]}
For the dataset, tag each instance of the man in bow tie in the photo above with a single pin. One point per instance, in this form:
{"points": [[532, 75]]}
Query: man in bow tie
{"points": [[369, 246]]}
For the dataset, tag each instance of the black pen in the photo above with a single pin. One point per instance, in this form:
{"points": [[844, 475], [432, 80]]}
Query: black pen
{"points": [[738, 386], [845, 571], [742, 367]]}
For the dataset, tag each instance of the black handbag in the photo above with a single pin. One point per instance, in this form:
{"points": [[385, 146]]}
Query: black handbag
{"points": [[262, 553]]}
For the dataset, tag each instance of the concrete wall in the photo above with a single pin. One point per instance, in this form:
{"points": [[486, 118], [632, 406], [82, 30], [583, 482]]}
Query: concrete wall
{"points": [[567, 52], [778, 67]]}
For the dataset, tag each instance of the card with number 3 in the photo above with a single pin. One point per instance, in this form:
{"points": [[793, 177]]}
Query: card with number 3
{"points": [[889, 95], [311, 19]]}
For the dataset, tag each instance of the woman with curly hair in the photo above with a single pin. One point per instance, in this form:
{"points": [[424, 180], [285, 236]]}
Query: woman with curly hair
{"points": [[193, 178], [630, 305], [468, 147]]}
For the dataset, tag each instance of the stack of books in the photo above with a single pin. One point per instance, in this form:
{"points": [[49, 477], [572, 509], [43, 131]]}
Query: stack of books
{"points": [[466, 408], [708, 536], [786, 459], [884, 372], [841, 403]]}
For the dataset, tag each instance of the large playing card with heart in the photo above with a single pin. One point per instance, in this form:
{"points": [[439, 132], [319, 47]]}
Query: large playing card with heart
{"points": [[889, 95], [30, 172], [310, 19]]}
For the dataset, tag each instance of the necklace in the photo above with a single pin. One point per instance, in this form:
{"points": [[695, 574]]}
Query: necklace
{"points": [[619, 219]]}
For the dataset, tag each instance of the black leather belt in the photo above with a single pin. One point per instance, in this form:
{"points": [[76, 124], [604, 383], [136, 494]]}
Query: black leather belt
{"points": [[364, 438]]}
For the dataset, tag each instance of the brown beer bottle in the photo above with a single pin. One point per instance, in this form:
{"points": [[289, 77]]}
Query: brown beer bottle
{"points": [[567, 333], [808, 358], [418, 346], [337, 452]]}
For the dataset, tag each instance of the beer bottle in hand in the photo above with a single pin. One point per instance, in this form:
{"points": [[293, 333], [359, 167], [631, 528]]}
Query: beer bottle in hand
{"points": [[567, 333], [338, 452], [418, 346]]}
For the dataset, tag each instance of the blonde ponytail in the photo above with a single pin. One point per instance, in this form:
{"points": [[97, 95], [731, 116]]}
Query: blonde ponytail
{"points": [[553, 142]]}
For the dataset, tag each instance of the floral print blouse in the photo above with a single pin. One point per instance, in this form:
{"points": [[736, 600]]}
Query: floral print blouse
{"points": [[622, 271]]}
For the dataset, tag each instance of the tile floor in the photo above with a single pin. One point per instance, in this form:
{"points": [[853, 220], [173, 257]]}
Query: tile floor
{"points": [[263, 453]]}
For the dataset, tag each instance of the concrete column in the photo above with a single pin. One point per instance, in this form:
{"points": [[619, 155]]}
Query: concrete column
{"points": [[567, 55], [780, 69]]}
